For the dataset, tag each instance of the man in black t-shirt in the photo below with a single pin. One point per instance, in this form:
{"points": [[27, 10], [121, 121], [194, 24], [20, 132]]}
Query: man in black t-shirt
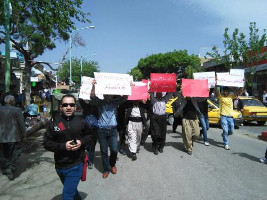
{"points": [[189, 111]]}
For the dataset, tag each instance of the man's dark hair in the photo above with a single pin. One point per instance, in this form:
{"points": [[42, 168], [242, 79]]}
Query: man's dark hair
{"points": [[226, 89], [68, 95]]}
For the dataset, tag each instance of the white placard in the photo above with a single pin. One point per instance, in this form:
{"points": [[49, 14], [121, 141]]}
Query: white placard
{"points": [[226, 79], [34, 79], [238, 72], [206, 75], [86, 88], [113, 83]]}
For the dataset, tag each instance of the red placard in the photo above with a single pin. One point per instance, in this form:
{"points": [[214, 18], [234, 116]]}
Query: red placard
{"points": [[195, 88], [162, 82], [138, 92]]}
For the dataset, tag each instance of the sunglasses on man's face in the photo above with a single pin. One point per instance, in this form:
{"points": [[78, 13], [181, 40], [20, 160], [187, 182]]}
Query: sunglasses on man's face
{"points": [[68, 104]]}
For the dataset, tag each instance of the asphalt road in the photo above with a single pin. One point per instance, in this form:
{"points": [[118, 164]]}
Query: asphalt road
{"points": [[211, 173]]}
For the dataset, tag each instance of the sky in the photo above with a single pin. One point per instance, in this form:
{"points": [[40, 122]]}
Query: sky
{"points": [[128, 30]]}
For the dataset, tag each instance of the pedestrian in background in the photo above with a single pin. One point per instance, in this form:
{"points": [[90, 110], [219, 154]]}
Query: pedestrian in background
{"points": [[177, 120], [238, 104], [136, 122], [158, 121], [226, 112], [31, 110], [12, 132], [264, 98], [67, 136], [204, 119], [121, 113], [264, 158], [90, 114], [188, 111], [107, 131]]}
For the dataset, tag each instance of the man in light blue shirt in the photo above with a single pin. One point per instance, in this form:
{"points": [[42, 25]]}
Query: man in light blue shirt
{"points": [[32, 110], [107, 130]]}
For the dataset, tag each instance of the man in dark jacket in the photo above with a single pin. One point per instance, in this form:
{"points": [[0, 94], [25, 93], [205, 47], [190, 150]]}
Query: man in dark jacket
{"points": [[90, 114], [12, 131], [67, 137]]}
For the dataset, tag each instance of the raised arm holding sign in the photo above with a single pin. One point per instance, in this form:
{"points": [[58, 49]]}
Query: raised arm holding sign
{"points": [[162, 82]]}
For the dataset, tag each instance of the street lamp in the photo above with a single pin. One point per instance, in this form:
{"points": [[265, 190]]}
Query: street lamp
{"points": [[92, 27], [82, 57]]}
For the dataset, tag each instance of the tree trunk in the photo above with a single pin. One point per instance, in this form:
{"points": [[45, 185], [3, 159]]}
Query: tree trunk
{"points": [[27, 86]]}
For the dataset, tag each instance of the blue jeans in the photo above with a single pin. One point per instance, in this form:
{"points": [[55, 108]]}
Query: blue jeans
{"points": [[204, 120], [227, 124], [70, 178], [108, 138]]}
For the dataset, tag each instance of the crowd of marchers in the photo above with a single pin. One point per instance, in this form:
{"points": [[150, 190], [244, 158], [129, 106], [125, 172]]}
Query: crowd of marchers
{"points": [[71, 137]]}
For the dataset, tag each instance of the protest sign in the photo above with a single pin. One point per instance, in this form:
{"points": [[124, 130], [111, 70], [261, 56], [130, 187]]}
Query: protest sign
{"points": [[113, 83], [210, 76], [238, 72], [226, 79], [139, 91], [195, 88], [162, 82], [86, 88]]}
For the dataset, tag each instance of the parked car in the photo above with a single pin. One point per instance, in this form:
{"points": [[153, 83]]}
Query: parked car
{"points": [[213, 113], [254, 110]]}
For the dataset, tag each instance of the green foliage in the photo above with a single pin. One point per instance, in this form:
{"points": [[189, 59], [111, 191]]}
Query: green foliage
{"points": [[238, 51], [137, 74], [170, 62], [88, 69], [41, 22]]}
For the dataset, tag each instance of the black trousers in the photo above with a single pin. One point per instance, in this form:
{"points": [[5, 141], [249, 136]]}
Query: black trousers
{"points": [[146, 132], [91, 147], [9, 155], [177, 121], [158, 125]]}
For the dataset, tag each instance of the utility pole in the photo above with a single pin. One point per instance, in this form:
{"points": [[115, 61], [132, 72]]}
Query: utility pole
{"points": [[7, 45]]}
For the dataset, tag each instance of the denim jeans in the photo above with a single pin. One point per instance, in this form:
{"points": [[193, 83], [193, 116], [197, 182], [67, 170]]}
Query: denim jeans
{"points": [[204, 120], [70, 178], [227, 124], [108, 138]]}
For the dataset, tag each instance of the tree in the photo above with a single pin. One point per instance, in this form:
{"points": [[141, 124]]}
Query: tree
{"points": [[89, 67], [242, 53], [38, 24], [170, 62], [136, 73], [239, 51]]}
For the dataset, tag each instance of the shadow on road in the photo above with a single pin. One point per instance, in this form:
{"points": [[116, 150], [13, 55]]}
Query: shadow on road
{"points": [[211, 141], [59, 196], [32, 152], [98, 162], [245, 155]]}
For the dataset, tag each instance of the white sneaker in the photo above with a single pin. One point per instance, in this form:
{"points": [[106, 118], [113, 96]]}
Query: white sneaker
{"points": [[227, 147], [206, 143], [263, 160]]}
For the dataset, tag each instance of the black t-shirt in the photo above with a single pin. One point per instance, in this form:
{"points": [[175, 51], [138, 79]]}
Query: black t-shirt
{"points": [[203, 107], [189, 111]]}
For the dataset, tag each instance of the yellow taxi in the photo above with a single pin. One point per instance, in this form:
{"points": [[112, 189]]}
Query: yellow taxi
{"points": [[254, 110], [213, 113]]}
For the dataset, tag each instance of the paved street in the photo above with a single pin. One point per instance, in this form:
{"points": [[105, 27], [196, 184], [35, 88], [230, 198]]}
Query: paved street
{"points": [[211, 173]]}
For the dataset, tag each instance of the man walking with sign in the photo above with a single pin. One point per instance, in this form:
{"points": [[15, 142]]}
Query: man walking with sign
{"points": [[226, 112]]}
